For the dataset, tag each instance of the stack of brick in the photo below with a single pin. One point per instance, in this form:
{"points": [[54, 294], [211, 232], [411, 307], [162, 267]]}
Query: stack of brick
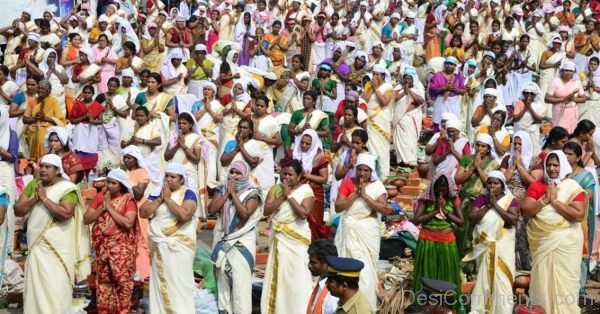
{"points": [[409, 193]]}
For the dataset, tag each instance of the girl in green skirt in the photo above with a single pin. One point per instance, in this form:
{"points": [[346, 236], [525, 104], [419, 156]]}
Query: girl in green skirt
{"points": [[437, 213]]}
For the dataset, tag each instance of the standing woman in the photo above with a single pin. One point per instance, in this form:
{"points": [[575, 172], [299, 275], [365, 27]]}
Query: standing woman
{"points": [[106, 58], [565, 93], [436, 256], [68, 59], [9, 151], [173, 72], [410, 95], [86, 115], [87, 72], [57, 142], [210, 117], [185, 147], [55, 73], [155, 100], [345, 165], [434, 26], [114, 121], [45, 113], [114, 235], [21, 106], [308, 149], [147, 139], [494, 214], [153, 47], [378, 95], [245, 29], [549, 63], [309, 117], [172, 237], [362, 200], [289, 203], [529, 112], [472, 175], [584, 136], [516, 168], [559, 202], [228, 73], [239, 107], [587, 181], [139, 180], [237, 206], [267, 133]]}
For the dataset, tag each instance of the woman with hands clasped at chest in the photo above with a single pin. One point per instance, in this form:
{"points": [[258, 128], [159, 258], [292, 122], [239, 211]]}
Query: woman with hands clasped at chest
{"points": [[172, 238], [289, 204], [556, 252], [362, 199], [237, 205], [437, 255], [495, 215]]}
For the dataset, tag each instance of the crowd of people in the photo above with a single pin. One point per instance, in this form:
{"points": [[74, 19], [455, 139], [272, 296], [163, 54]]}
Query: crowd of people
{"points": [[297, 112]]}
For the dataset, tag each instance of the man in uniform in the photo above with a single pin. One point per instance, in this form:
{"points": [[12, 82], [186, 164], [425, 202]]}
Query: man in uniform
{"points": [[342, 282]]}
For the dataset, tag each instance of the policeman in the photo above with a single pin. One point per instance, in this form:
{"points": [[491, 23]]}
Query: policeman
{"points": [[342, 282]]}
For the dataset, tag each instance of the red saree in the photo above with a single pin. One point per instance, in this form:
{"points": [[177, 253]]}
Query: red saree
{"points": [[318, 229], [115, 256]]}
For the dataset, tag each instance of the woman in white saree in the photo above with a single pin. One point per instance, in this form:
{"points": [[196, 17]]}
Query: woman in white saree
{"points": [[187, 147], [174, 71], [362, 200], [209, 119], [172, 238], [288, 282], [410, 95], [378, 95], [591, 109], [555, 205], [529, 112], [59, 242], [238, 108], [237, 204], [549, 63], [495, 214]]}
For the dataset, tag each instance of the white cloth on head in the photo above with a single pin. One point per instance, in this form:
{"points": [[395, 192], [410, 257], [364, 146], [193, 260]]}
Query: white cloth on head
{"points": [[243, 97], [168, 69], [454, 124], [370, 161], [54, 160], [33, 36], [491, 91], [526, 149], [500, 176], [62, 133], [89, 53], [119, 175], [446, 116], [127, 72], [307, 157], [134, 152], [487, 139], [565, 167]]}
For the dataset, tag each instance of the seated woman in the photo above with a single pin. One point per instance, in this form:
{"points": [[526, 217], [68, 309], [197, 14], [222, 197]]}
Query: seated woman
{"points": [[315, 173], [114, 234], [362, 200], [494, 215], [559, 202], [237, 206], [437, 255], [57, 142]]}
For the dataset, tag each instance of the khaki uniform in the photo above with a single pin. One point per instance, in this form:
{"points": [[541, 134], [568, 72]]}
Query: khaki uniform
{"points": [[358, 304]]}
